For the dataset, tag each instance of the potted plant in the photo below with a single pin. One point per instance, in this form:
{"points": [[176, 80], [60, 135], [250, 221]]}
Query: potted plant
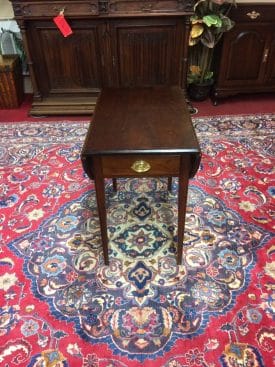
{"points": [[11, 43], [209, 22]]}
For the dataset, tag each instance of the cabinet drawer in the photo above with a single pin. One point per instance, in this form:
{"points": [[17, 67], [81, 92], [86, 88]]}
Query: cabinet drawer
{"points": [[51, 9], [143, 7], [253, 13], [140, 165]]}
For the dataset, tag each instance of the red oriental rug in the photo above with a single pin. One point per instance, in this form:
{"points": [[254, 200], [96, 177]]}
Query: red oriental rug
{"points": [[60, 306]]}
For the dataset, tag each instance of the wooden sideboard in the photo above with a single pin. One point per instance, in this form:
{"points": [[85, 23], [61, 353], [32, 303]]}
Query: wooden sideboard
{"points": [[246, 62], [114, 43]]}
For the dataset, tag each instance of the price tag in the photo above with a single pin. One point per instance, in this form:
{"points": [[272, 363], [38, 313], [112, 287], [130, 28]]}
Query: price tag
{"points": [[62, 24]]}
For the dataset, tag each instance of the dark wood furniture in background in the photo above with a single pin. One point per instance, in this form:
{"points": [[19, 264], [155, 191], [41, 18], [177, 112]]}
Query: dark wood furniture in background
{"points": [[115, 43], [247, 60], [11, 82], [141, 132]]}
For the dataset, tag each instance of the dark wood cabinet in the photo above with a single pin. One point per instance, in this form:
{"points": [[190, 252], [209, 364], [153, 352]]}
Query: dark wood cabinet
{"points": [[246, 63], [114, 43]]}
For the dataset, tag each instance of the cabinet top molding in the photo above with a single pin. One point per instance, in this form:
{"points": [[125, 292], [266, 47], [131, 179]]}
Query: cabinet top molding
{"points": [[266, 2], [109, 8]]}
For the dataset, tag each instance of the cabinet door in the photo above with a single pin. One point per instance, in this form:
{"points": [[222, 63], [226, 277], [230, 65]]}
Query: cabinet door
{"points": [[147, 51], [243, 60], [65, 66]]}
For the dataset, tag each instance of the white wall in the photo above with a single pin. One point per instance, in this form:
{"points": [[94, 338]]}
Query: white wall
{"points": [[6, 16], [6, 11]]}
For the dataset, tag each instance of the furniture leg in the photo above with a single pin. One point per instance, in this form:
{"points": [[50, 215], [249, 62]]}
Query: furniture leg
{"points": [[115, 184], [182, 200], [169, 184], [100, 197]]}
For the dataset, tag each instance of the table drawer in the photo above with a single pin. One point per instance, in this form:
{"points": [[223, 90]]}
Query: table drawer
{"points": [[140, 165]]}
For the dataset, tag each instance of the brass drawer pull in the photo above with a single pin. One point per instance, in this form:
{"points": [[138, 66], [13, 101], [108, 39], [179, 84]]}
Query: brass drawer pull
{"points": [[141, 166], [253, 15]]}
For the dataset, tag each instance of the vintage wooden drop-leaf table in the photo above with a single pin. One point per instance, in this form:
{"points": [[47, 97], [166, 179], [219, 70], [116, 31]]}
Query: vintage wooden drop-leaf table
{"points": [[141, 132]]}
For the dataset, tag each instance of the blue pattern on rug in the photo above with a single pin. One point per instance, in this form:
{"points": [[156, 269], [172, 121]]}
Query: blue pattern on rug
{"points": [[143, 302]]}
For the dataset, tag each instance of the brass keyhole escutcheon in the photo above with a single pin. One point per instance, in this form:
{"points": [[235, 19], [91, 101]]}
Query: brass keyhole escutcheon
{"points": [[253, 15], [141, 166]]}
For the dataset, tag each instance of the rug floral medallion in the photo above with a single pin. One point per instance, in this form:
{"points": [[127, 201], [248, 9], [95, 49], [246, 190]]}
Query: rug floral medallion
{"points": [[63, 307]]}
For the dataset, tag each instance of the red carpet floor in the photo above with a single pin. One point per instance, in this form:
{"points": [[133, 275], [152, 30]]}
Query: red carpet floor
{"points": [[242, 104], [61, 307]]}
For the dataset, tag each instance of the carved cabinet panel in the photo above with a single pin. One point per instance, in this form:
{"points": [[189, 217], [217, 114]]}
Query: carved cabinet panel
{"points": [[149, 6], [46, 9], [59, 63], [147, 52]]}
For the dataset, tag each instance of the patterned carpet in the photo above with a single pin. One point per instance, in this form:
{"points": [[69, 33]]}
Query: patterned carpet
{"points": [[60, 306]]}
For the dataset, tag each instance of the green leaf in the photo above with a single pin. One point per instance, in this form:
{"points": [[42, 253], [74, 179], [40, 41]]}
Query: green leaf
{"points": [[208, 75], [227, 24], [212, 20], [194, 18]]}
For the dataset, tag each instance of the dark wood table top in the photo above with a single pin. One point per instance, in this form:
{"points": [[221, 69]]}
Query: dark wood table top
{"points": [[121, 126]]}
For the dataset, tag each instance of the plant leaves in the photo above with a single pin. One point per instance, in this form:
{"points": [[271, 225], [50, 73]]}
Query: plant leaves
{"points": [[196, 30], [208, 39], [212, 20]]}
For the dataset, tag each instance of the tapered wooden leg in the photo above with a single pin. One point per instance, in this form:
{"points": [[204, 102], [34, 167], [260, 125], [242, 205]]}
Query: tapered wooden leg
{"points": [[114, 184], [182, 200], [100, 197], [169, 184]]}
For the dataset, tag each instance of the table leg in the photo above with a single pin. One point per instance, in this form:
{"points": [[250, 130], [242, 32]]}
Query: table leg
{"points": [[114, 184], [101, 206], [182, 200], [169, 185]]}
